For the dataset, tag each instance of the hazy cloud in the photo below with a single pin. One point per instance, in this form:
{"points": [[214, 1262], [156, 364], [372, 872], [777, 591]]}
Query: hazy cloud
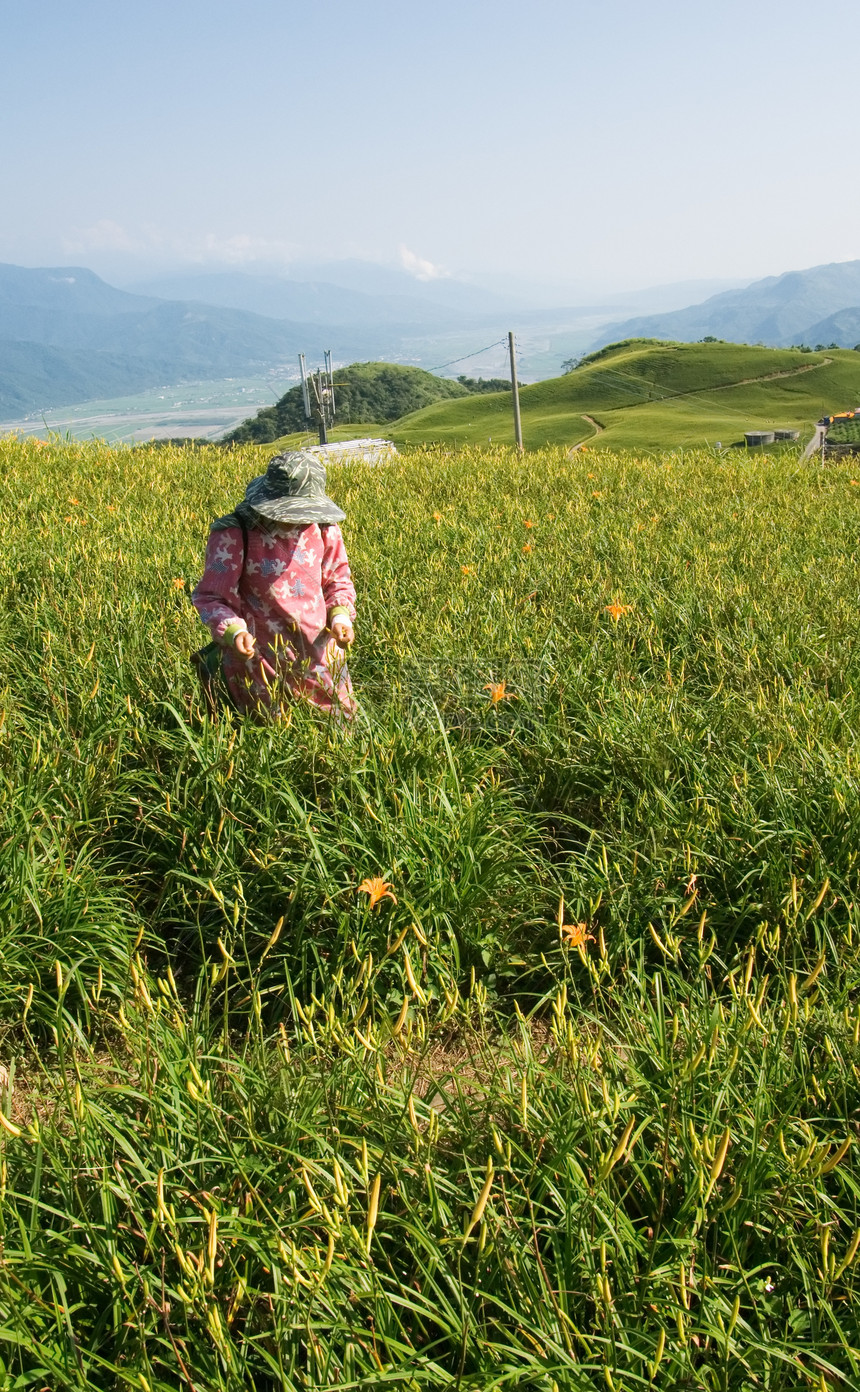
{"points": [[239, 249], [104, 235], [418, 267]]}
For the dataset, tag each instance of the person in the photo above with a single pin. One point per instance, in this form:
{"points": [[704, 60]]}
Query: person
{"points": [[277, 593]]}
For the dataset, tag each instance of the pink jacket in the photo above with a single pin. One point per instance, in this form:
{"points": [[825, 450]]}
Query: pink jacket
{"points": [[283, 592]]}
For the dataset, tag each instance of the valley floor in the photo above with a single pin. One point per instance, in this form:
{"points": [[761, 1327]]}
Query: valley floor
{"points": [[204, 410]]}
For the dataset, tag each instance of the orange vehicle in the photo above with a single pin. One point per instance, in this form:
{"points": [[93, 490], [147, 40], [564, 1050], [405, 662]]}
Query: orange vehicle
{"points": [[836, 434]]}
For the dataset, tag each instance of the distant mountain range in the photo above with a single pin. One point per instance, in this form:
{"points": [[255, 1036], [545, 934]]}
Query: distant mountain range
{"points": [[66, 336], [404, 307], [377, 281], [359, 294], [819, 305]]}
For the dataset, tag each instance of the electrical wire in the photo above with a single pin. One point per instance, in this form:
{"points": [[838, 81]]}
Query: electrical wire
{"points": [[499, 343]]}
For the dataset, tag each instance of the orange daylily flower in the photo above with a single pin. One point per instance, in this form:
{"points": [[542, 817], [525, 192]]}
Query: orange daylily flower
{"points": [[617, 610], [468, 570], [437, 517], [575, 934], [528, 524], [527, 547], [75, 502], [376, 889], [572, 934], [179, 584], [499, 692]]}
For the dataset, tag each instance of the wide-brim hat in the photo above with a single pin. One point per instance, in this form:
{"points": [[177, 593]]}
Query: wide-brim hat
{"points": [[293, 490]]}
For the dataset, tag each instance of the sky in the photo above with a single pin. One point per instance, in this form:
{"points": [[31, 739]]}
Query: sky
{"points": [[606, 145]]}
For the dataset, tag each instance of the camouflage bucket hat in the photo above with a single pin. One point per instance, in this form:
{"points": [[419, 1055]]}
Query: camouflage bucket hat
{"points": [[293, 490]]}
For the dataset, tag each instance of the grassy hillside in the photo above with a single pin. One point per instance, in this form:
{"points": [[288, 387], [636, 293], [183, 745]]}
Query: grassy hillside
{"points": [[296, 439], [648, 395], [364, 392], [576, 1107], [34, 376]]}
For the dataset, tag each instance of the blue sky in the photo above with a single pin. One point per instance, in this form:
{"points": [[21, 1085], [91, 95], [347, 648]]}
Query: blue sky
{"points": [[603, 145]]}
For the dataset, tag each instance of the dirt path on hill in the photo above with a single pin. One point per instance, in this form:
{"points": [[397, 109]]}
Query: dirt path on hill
{"points": [[768, 377], [696, 391], [721, 386], [596, 427]]}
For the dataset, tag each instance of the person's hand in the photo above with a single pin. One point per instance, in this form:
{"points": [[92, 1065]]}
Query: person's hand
{"points": [[343, 631], [244, 644]]}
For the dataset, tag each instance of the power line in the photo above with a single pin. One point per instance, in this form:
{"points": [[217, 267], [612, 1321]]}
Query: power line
{"points": [[499, 343]]}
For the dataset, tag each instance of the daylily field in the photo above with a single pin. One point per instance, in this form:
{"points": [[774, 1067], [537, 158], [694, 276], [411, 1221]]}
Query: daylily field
{"points": [[507, 1037]]}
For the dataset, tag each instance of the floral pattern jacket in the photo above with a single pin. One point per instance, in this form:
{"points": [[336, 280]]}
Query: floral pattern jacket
{"points": [[285, 592]]}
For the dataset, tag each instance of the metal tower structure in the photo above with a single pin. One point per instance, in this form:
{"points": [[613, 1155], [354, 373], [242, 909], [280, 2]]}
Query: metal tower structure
{"points": [[318, 395]]}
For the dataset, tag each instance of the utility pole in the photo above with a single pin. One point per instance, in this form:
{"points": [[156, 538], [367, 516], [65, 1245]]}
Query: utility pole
{"points": [[305, 394], [515, 392], [320, 394], [322, 383]]}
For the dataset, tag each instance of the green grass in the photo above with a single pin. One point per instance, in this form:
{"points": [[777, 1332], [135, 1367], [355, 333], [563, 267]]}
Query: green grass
{"points": [[334, 433], [847, 432], [259, 1135], [654, 396]]}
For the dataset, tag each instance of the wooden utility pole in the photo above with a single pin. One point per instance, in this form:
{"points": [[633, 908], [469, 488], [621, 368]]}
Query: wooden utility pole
{"points": [[515, 392]]}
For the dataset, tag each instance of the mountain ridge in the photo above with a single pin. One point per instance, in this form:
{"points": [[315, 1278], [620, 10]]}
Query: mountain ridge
{"points": [[64, 331], [316, 302], [779, 311]]}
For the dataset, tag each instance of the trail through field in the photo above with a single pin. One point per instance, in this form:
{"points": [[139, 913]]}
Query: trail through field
{"points": [[815, 443], [598, 429], [771, 376], [719, 386]]}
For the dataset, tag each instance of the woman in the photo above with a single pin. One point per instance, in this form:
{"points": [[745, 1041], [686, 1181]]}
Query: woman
{"points": [[277, 594]]}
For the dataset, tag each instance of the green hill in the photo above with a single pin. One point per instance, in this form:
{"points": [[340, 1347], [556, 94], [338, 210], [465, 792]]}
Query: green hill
{"points": [[649, 395], [371, 391], [35, 376]]}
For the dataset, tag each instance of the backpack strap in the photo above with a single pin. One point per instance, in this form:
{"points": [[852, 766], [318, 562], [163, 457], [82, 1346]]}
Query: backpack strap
{"points": [[234, 519]]}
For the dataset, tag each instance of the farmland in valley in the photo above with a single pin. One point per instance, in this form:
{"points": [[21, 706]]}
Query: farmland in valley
{"points": [[576, 1103]]}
